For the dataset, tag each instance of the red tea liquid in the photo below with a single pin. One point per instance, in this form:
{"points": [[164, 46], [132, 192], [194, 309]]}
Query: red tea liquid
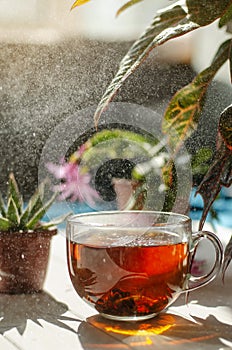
{"points": [[129, 280]]}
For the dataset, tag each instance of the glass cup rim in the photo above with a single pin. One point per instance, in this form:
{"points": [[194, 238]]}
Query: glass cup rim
{"points": [[78, 219]]}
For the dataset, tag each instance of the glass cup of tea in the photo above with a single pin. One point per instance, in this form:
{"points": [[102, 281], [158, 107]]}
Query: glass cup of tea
{"points": [[131, 265]]}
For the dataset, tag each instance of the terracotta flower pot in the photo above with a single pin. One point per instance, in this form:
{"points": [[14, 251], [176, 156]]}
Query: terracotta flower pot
{"points": [[23, 260]]}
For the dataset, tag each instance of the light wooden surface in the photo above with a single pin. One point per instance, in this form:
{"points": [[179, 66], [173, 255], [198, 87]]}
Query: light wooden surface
{"points": [[58, 319]]}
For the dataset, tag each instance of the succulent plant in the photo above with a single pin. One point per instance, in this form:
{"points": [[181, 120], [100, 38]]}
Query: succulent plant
{"points": [[15, 215]]}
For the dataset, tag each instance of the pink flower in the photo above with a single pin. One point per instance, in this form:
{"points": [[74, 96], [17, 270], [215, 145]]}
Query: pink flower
{"points": [[75, 184]]}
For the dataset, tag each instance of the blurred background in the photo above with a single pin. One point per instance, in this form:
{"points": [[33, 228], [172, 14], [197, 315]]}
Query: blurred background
{"points": [[55, 62], [41, 20]]}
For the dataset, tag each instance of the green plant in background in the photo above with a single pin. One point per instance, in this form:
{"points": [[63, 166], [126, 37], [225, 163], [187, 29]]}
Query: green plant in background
{"points": [[145, 158], [17, 217], [111, 144], [184, 110]]}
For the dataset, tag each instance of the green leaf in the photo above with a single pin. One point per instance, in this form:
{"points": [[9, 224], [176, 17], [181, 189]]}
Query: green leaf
{"points": [[225, 126], [35, 204], [79, 3], [13, 192], [226, 17], [31, 224], [12, 213], [2, 207], [183, 112], [205, 12], [170, 181], [168, 173], [168, 24], [218, 175], [127, 5], [174, 21], [105, 135], [4, 224], [199, 161], [222, 54]]}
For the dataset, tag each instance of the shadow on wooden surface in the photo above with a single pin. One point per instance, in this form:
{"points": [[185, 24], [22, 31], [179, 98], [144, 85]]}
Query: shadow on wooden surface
{"points": [[17, 309]]}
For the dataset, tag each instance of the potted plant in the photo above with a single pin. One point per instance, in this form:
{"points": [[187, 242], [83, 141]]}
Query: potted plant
{"points": [[24, 240], [184, 110]]}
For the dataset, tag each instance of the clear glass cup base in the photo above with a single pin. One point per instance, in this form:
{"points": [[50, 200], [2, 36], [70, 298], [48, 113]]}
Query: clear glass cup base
{"points": [[128, 318]]}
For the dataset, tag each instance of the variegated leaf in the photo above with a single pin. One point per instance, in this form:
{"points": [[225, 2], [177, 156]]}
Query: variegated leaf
{"points": [[182, 115], [168, 24], [176, 20], [225, 126], [13, 191], [2, 206], [34, 205], [31, 224], [226, 17], [167, 173], [218, 175], [13, 213], [171, 183], [205, 12]]}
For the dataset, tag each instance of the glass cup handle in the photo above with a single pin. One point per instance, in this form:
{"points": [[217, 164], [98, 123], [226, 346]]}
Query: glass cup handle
{"points": [[199, 281]]}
